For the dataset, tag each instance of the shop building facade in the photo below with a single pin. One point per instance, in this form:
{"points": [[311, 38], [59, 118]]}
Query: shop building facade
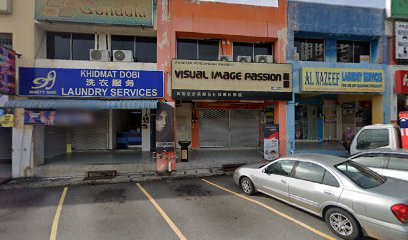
{"points": [[92, 82], [340, 82], [397, 33], [224, 68]]}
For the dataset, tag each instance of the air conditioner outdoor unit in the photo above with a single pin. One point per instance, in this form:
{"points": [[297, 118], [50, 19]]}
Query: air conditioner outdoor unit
{"points": [[225, 58], [5, 6], [99, 55], [244, 59], [264, 58], [122, 56]]}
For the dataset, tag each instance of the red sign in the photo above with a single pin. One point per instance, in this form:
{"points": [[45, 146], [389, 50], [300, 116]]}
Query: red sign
{"points": [[401, 82]]}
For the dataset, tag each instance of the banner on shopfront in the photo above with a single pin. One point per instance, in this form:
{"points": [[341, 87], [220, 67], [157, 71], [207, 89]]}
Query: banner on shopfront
{"points": [[220, 80], [165, 127], [342, 80], [401, 40], [124, 12], [403, 119], [59, 82], [401, 82], [6, 119], [261, 3], [60, 118], [271, 141], [7, 71]]}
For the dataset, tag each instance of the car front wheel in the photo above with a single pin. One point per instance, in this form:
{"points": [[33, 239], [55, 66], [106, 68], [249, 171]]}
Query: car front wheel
{"points": [[343, 224], [247, 186]]}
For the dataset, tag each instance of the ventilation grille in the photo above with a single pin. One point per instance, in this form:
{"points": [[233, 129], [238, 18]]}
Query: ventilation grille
{"points": [[214, 114]]}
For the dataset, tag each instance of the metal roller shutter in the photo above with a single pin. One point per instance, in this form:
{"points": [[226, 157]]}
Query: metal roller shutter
{"points": [[55, 141], [244, 128], [214, 128], [92, 137]]}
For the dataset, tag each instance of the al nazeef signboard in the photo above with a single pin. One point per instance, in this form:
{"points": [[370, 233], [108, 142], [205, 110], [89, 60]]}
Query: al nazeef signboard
{"points": [[342, 80], [123, 12]]}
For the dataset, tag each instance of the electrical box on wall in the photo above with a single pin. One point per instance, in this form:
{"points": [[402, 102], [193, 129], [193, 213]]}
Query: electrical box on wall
{"points": [[5, 6]]}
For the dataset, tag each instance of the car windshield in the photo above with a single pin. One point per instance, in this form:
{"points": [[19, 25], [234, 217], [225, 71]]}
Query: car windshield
{"points": [[362, 176]]}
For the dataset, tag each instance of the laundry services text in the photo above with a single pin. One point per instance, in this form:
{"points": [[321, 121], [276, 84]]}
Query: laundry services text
{"points": [[344, 80], [91, 83]]}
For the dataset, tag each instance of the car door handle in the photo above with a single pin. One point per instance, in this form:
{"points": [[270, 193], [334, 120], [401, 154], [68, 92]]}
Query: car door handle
{"points": [[328, 192], [283, 181]]}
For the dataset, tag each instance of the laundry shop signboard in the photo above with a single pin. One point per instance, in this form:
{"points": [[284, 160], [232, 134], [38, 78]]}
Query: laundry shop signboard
{"points": [[218, 80], [96, 83], [342, 80], [123, 12]]}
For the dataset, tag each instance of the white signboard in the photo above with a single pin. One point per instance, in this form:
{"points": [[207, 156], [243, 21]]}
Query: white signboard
{"points": [[262, 3], [401, 40]]}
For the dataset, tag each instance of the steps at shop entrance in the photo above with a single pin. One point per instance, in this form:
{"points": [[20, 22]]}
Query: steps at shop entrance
{"points": [[49, 171]]}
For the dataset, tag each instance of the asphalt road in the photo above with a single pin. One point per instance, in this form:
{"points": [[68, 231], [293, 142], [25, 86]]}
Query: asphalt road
{"points": [[179, 209]]}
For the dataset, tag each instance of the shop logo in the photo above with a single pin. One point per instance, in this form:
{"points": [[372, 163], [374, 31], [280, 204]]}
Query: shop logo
{"points": [[47, 82], [405, 80]]}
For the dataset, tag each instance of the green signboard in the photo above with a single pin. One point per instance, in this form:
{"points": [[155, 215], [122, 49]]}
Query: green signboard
{"points": [[122, 12], [399, 9]]}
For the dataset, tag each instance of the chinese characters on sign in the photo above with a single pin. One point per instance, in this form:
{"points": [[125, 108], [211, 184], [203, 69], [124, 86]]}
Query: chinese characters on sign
{"points": [[91, 83]]}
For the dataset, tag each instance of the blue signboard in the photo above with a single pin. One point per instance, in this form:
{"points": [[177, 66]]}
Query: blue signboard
{"points": [[59, 82]]}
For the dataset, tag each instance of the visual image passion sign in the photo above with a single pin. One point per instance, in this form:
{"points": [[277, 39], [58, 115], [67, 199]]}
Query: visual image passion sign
{"points": [[342, 80], [230, 80], [125, 12], [60, 82]]}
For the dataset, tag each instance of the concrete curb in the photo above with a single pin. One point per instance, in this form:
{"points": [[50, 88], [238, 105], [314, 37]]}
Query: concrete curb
{"points": [[122, 178]]}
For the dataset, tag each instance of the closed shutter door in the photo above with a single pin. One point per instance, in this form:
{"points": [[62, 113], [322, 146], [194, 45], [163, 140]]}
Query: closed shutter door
{"points": [[5, 143], [214, 128], [244, 127], [55, 141], [92, 137]]}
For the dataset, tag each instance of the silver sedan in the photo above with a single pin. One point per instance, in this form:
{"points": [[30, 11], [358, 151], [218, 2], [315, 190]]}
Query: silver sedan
{"points": [[353, 200]]}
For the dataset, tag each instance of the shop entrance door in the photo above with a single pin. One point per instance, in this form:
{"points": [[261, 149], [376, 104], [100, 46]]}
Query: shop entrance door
{"points": [[330, 124], [214, 128], [229, 128], [244, 128]]}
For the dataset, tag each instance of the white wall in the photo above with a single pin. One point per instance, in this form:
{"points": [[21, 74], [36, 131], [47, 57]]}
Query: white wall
{"points": [[355, 3], [51, 63], [183, 121]]}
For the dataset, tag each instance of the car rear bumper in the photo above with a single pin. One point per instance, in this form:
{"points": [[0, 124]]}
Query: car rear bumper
{"points": [[383, 230]]}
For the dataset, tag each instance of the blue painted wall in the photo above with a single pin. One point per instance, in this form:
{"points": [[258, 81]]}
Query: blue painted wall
{"points": [[332, 23]]}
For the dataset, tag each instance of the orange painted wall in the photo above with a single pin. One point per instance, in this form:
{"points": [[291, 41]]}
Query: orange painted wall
{"points": [[227, 22]]}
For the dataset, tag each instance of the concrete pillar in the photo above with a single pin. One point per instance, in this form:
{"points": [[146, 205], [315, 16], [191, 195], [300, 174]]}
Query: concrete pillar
{"points": [[280, 118], [377, 109], [22, 147], [290, 125], [38, 144]]}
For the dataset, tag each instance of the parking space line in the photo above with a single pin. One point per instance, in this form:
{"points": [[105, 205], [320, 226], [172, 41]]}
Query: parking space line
{"points": [[274, 211], [164, 215], [54, 229]]}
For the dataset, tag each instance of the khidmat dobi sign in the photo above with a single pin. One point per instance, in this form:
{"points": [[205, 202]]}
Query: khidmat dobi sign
{"points": [[342, 80], [218, 80], [123, 12]]}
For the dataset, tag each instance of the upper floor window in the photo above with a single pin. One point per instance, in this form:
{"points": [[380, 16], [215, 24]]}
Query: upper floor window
{"points": [[6, 40], [198, 49], [309, 49], [353, 51], [69, 46], [251, 49], [144, 48]]}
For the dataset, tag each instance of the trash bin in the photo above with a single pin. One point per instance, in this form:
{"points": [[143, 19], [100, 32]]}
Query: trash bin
{"points": [[184, 150]]}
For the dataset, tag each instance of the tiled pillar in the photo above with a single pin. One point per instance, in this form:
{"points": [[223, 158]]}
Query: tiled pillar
{"points": [[280, 118]]}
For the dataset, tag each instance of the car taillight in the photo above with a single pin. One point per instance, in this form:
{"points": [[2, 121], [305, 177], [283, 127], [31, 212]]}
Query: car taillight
{"points": [[401, 212]]}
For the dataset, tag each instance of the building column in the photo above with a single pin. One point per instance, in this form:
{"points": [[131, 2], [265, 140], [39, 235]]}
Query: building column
{"points": [[377, 109], [145, 130], [280, 118], [290, 125], [22, 147]]}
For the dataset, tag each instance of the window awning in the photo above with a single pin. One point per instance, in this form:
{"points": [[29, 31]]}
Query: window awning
{"points": [[81, 104]]}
